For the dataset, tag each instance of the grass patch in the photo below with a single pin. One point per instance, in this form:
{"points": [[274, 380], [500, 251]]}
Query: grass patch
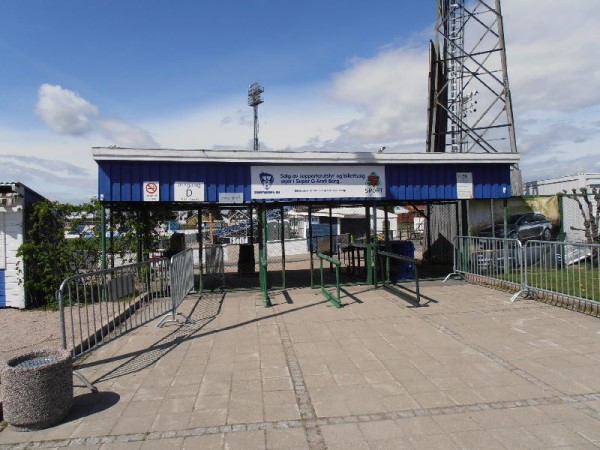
{"points": [[574, 281]]}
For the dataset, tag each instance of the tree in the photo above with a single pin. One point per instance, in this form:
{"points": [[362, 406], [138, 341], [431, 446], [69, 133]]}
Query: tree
{"points": [[48, 257], [590, 213]]}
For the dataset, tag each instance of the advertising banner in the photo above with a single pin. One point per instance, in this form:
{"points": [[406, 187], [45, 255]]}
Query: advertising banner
{"points": [[319, 182], [528, 218]]}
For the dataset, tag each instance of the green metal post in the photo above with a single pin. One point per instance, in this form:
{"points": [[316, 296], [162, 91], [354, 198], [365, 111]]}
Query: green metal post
{"points": [[262, 251], [369, 242], [330, 235], [375, 245], [505, 216], [200, 250], [561, 209], [386, 227], [282, 224], [387, 269], [103, 234], [312, 266]]}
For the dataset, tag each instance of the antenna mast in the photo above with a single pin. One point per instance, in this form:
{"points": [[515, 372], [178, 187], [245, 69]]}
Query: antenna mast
{"points": [[470, 107], [254, 99]]}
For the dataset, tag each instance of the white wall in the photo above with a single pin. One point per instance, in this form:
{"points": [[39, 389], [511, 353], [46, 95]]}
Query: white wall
{"points": [[552, 186], [11, 238]]}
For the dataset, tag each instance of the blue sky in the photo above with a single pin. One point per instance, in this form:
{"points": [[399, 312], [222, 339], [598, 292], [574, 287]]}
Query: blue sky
{"points": [[338, 75]]}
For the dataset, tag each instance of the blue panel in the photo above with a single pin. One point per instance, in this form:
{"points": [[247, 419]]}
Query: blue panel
{"points": [[136, 186], [103, 182], [123, 180], [116, 173], [2, 289]]}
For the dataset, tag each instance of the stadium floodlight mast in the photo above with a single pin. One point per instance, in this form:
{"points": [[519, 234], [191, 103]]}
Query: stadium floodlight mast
{"points": [[254, 99]]}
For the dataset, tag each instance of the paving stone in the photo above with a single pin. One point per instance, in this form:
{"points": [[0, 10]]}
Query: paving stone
{"points": [[455, 374]]}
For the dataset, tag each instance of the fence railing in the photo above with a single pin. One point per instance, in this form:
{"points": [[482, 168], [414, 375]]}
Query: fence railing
{"points": [[490, 259], [182, 283], [97, 307], [562, 272], [388, 277], [333, 298]]}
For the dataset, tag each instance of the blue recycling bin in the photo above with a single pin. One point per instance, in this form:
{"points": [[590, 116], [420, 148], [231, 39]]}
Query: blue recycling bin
{"points": [[402, 270]]}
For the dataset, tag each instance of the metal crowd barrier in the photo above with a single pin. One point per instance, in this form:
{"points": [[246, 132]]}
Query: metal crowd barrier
{"points": [[182, 283], [563, 272], [494, 261], [334, 299], [99, 306]]}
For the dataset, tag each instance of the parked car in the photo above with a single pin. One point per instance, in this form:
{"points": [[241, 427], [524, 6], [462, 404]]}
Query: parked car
{"points": [[524, 227]]}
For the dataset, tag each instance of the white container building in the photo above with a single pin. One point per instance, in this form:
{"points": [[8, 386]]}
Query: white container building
{"points": [[16, 203]]}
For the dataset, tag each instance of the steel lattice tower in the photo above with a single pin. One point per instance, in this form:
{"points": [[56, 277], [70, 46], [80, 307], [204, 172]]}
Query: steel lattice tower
{"points": [[470, 106]]}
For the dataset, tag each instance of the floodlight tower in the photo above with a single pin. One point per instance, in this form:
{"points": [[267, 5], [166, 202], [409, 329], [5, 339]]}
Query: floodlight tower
{"points": [[470, 107], [254, 99]]}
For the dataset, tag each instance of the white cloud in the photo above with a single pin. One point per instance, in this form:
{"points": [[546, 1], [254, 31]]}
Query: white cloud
{"points": [[125, 135], [64, 111], [390, 93], [552, 49], [54, 179], [67, 113]]}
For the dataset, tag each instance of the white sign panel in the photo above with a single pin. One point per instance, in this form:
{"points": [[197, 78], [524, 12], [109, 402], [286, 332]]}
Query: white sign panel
{"points": [[276, 182], [464, 185], [231, 197], [2, 241], [151, 191], [186, 191]]}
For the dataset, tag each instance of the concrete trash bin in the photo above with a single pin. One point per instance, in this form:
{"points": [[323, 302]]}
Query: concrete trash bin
{"points": [[37, 389]]}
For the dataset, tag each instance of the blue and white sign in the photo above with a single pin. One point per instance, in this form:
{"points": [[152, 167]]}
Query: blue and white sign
{"points": [[277, 182]]}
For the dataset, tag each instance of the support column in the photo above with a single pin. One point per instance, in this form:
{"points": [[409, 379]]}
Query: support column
{"points": [[282, 223], [375, 245], [262, 252], [310, 247], [200, 250], [368, 250], [103, 233]]}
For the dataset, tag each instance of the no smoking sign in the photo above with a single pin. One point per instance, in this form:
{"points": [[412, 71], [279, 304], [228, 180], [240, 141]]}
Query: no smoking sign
{"points": [[151, 191]]}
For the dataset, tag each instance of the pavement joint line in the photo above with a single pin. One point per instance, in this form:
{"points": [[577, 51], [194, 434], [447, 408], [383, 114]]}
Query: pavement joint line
{"points": [[311, 425], [307, 411], [575, 401]]}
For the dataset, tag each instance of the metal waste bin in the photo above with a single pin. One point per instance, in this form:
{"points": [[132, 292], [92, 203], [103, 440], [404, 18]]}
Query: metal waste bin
{"points": [[247, 260], [37, 389]]}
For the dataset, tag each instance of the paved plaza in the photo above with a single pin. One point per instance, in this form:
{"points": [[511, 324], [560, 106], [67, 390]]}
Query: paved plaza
{"points": [[468, 369]]}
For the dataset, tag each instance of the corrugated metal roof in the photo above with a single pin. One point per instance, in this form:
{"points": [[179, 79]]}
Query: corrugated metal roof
{"points": [[290, 157]]}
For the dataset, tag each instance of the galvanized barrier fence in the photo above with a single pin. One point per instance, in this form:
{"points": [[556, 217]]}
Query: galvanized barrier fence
{"points": [[99, 306], [492, 261], [182, 283], [564, 273]]}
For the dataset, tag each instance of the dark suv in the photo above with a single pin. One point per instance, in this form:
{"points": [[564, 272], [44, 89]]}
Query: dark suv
{"points": [[523, 227]]}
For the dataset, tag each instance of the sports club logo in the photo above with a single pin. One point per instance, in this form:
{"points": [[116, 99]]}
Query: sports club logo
{"points": [[373, 180], [266, 179]]}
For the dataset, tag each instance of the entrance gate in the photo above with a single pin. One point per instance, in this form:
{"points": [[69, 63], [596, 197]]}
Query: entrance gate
{"points": [[277, 246]]}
